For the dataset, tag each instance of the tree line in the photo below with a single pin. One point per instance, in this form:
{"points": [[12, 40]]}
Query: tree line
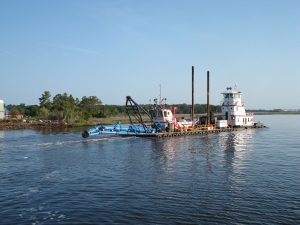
{"points": [[66, 108], [62, 107]]}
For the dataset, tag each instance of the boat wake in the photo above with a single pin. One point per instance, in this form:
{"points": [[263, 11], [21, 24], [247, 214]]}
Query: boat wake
{"points": [[73, 142]]}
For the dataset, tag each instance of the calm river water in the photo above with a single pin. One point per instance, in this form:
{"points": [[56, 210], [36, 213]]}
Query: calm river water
{"points": [[244, 177]]}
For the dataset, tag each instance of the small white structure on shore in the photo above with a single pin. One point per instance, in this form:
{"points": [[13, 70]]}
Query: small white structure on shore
{"points": [[2, 115], [233, 111]]}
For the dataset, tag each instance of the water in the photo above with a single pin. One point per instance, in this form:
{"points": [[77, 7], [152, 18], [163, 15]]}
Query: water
{"points": [[243, 177]]}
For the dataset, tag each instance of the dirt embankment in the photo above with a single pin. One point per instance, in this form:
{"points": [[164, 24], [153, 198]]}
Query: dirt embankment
{"points": [[17, 125]]}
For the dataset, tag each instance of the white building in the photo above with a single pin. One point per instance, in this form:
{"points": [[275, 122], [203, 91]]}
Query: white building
{"points": [[2, 110]]}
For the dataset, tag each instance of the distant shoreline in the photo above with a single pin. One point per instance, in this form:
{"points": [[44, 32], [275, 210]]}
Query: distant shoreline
{"points": [[17, 125], [277, 113]]}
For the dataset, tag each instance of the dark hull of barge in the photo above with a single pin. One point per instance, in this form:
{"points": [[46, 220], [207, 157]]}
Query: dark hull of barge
{"points": [[194, 132]]}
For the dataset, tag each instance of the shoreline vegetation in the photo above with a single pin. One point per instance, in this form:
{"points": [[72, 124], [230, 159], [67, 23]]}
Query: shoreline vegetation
{"points": [[123, 119], [65, 111]]}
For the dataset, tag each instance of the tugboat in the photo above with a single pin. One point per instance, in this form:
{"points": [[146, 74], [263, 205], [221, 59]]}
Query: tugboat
{"points": [[164, 119], [233, 111]]}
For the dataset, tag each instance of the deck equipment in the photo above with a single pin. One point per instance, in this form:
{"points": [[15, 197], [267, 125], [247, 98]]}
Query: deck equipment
{"points": [[140, 123]]}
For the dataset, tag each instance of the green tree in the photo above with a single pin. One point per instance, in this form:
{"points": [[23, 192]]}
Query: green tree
{"points": [[32, 110], [43, 113], [16, 109], [65, 108], [90, 107], [12, 109], [45, 100], [183, 109]]}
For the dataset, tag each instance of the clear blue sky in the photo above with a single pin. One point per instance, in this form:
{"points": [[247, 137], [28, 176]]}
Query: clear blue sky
{"points": [[114, 48]]}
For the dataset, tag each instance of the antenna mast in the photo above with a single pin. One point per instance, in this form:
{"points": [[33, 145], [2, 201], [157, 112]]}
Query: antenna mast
{"points": [[159, 93]]}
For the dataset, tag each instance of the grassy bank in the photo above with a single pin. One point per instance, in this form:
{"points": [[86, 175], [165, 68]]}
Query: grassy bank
{"points": [[39, 124]]}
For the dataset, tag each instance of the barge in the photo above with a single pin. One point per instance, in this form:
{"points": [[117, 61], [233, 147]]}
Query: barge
{"points": [[162, 122]]}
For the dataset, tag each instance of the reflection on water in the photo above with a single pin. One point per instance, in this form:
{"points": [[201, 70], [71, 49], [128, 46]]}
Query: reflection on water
{"points": [[1, 134], [235, 146], [164, 153], [1, 141]]}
